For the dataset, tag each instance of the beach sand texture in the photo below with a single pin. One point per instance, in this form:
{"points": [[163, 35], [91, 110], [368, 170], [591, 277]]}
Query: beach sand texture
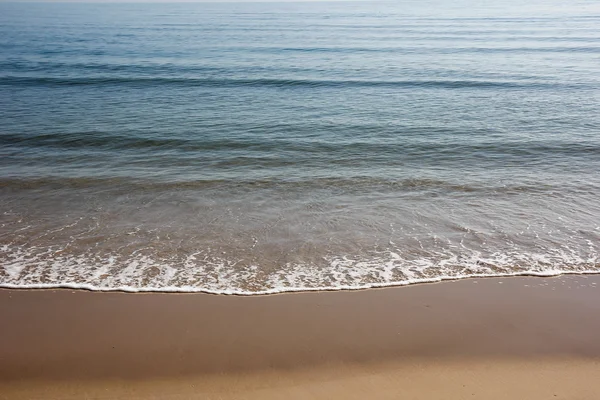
{"points": [[531, 338]]}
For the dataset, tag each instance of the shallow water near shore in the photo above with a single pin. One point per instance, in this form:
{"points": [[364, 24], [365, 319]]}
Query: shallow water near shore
{"points": [[260, 148]]}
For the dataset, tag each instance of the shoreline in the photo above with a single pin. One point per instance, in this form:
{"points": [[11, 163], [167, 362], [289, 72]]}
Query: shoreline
{"points": [[66, 342], [192, 290]]}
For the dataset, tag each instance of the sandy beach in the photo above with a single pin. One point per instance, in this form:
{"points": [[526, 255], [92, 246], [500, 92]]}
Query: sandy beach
{"points": [[293, 199], [499, 338]]}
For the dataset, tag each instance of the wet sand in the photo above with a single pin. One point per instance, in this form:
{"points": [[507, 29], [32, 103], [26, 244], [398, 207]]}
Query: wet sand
{"points": [[534, 338]]}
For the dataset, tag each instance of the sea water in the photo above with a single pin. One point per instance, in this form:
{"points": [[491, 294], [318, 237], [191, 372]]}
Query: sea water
{"points": [[263, 147]]}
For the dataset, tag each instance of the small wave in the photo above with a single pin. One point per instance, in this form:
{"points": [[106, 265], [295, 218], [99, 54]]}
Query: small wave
{"points": [[142, 81], [357, 183], [301, 149], [175, 289], [432, 50], [48, 66], [21, 269]]}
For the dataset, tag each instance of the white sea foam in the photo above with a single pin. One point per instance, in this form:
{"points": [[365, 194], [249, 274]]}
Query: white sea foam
{"points": [[200, 272]]}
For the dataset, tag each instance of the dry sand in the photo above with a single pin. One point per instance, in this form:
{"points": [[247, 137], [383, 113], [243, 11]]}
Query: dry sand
{"points": [[530, 338]]}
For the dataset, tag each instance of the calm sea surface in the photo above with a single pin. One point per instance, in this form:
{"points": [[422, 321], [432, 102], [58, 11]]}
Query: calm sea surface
{"points": [[253, 148]]}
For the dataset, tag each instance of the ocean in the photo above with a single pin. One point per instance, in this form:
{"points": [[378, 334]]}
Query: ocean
{"points": [[253, 148]]}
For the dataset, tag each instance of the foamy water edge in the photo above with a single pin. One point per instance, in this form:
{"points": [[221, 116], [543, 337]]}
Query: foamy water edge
{"points": [[189, 289]]}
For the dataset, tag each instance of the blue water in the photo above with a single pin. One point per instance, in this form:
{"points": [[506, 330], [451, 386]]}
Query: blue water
{"points": [[263, 147]]}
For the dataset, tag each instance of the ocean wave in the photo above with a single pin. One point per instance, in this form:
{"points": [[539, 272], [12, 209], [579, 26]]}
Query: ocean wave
{"points": [[233, 292], [144, 81], [201, 273], [357, 183], [302, 148]]}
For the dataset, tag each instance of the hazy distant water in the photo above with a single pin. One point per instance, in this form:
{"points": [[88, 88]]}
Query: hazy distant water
{"points": [[263, 147]]}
